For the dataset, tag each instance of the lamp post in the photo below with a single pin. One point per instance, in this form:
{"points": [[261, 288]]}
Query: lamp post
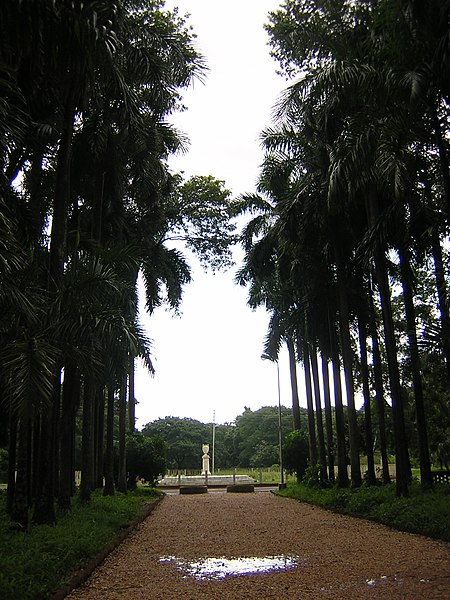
{"points": [[280, 433], [213, 440]]}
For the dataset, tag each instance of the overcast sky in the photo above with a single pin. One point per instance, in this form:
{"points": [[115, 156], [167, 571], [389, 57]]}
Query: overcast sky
{"points": [[209, 360]]}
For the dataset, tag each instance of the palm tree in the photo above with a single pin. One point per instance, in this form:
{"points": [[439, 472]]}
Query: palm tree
{"points": [[296, 423], [378, 385], [319, 419], [328, 418], [118, 68], [362, 330]]}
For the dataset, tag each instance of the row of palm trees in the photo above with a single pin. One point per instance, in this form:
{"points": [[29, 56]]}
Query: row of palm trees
{"points": [[87, 202], [353, 207]]}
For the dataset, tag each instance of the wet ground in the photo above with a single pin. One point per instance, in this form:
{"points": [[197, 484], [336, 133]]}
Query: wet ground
{"points": [[260, 546]]}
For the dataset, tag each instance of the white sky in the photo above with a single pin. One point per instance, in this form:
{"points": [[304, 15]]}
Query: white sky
{"points": [[209, 359]]}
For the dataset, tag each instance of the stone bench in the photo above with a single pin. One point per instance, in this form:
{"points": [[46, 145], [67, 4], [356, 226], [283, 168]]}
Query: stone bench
{"points": [[193, 489], [241, 488]]}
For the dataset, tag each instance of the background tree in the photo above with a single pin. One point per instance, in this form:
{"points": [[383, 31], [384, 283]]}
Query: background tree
{"points": [[146, 459], [296, 453]]}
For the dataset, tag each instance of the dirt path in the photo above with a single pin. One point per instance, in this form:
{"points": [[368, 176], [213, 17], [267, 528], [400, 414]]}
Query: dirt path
{"points": [[336, 557]]}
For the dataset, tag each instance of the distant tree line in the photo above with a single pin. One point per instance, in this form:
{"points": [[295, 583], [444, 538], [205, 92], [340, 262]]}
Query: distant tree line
{"points": [[250, 441]]}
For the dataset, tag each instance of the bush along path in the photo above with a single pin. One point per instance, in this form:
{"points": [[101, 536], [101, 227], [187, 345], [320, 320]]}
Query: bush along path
{"points": [[35, 563], [424, 511], [84, 572], [260, 545]]}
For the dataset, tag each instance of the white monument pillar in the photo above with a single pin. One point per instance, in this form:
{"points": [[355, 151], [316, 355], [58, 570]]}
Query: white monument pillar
{"points": [[205, 460]]}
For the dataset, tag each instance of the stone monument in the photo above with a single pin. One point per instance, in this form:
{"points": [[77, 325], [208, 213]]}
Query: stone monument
{"points": [[205, 460]]}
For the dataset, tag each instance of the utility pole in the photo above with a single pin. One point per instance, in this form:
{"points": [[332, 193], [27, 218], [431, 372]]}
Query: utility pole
{"points": [[280, 431], [213, 440]]}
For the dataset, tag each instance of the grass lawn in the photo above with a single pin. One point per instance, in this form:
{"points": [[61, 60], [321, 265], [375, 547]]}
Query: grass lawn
{"points": [[263, 475], [423, 512], [33, 565], [37, 563]]}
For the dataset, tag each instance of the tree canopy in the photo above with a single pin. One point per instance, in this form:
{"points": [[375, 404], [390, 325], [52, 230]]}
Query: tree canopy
{"points": [[87, 203], [351, 212]]}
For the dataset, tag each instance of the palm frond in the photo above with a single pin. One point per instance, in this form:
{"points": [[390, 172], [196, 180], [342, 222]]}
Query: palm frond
{"points": [[29, 365]]}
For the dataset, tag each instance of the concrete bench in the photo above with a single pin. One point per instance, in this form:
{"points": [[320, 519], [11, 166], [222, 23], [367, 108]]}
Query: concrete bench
{"points": [[193, 489], [241, 488]]}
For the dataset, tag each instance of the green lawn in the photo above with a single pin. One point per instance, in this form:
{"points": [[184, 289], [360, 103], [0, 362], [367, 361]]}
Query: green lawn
{"points": [[35, 564], [263, 475]]}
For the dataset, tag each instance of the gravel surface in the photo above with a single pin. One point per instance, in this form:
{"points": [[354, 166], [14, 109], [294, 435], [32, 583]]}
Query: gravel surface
{"points": [[335, 556]]}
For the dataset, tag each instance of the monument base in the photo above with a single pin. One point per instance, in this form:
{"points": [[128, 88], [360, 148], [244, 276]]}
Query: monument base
{"points": [[210, 480]]}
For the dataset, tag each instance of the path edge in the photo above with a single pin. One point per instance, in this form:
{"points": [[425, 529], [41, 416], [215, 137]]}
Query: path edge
{"points": [[80, 576]]}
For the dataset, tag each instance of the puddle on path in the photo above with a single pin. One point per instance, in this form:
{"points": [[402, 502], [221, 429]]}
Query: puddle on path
{"points": [[218, 568], [373, 582]]}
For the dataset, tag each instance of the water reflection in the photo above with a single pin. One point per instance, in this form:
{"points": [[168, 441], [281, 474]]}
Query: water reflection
{"points": [[218, 568], [373, 582]]}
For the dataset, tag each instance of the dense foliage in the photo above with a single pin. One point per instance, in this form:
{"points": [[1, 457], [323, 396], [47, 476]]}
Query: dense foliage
{"points": [[146, 459], [296, 453], [347, 244], [184, 439], [251, 440], [426, 512], [88, 203], [38, 563]]}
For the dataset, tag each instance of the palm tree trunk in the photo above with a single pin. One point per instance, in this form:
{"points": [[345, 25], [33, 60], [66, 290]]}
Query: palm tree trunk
{"points": [[70, 403], [347, 359], [402, 464], [426, 479], [294, 384], [12, 458], [443, 155], [319, 420], [379, 393], [62, 197], [108, 490], [44, 481], [100, 437], [328, 417], [131, 399], [403, 473], [362, 331], [44, 510], [309, 402], [87, 441], [441, 286], [342, 474], [97, 220], [56, 431], [439, 274], [20, 503], [122, 476]]}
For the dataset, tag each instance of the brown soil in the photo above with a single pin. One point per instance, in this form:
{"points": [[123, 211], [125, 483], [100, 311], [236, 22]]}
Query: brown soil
{"points": [[338, 557]]}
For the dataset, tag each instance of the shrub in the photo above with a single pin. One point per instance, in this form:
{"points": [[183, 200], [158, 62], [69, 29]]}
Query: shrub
{"points": [[295, 453], [35, 564], [146, 458], [311, 477], [423, 512], [3, 465]]}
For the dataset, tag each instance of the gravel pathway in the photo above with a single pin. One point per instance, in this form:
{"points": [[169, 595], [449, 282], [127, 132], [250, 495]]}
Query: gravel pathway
{"points": [[335, 556]]}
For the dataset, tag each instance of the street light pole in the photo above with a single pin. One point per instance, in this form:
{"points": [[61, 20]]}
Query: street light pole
{"points": [[280, 434], [213, 440], [282, 485]]}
